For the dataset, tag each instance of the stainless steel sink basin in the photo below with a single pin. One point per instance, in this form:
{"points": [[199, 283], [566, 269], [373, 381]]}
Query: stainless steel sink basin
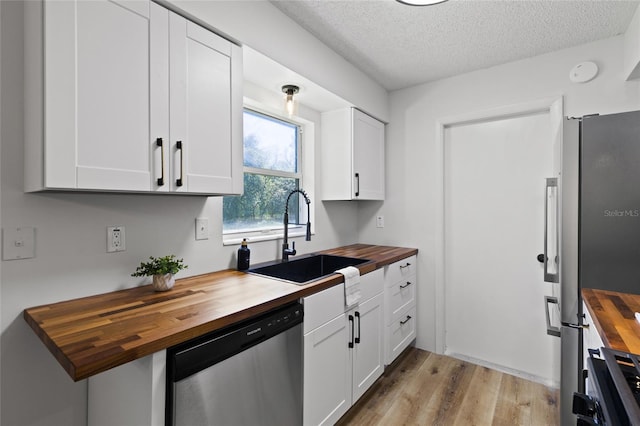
{"points": [[304, 270]]}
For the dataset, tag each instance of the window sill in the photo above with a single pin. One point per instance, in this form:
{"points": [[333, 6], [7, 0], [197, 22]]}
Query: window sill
{"points": [[235, 239]]}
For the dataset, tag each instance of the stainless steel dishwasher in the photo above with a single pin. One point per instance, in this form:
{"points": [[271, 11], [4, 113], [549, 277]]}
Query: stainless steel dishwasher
{"points": [[249, 374]]}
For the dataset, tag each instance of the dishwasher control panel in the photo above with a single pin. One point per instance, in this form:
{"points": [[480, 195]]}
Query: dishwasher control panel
{"points": [[197, 354]]}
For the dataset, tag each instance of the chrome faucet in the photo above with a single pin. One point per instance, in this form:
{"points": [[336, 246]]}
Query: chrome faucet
{"points": [[286, 251]]}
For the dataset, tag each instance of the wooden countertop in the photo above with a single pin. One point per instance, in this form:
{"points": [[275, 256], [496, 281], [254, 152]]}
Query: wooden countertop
{"points": [[93, 334], [614, 316]]}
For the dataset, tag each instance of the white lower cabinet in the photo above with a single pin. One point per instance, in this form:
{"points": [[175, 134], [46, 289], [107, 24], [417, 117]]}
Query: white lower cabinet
{"points": [[400, 307], [130, 394], [327, 381], [367, 352], [343, 351]]}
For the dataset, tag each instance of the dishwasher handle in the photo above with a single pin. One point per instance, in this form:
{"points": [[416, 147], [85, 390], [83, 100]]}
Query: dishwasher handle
{"points": [[253, 339]]}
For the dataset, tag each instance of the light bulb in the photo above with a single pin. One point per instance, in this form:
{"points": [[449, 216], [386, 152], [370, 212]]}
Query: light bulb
{"points": [[290, 104]]}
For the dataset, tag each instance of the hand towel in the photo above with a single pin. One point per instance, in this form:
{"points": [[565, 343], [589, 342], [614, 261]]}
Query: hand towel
{"points": [[351, 285]]}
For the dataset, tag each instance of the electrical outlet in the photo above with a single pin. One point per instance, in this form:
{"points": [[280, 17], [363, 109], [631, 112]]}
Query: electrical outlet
{"points": [[115, 239], [380, 221], [202, 228]]}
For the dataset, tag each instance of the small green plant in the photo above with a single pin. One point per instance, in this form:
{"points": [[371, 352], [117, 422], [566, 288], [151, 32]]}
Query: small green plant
{"points": [[160, 266]]}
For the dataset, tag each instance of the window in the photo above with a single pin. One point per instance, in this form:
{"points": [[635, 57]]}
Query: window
{"points": [[272, 169]]}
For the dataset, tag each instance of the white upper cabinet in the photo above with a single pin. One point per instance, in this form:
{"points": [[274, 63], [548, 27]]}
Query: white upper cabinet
{"points": [[129, 96], [207, 157], [352, 156]]}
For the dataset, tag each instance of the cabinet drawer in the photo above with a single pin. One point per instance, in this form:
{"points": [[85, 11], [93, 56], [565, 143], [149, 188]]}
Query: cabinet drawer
{"points": [[400, 334], [400, 296], [400, 270], [322, 307]]}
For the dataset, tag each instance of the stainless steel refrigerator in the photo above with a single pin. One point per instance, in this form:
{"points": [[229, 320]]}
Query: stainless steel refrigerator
{"points": [[600, 226]]}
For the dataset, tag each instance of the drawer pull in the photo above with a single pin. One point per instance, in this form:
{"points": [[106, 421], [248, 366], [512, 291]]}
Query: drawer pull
{"points": [[406, 285], [405, 266], [406, 320]]}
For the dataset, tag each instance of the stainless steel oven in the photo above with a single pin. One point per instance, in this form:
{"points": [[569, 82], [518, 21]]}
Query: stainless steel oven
{"points": [[249, 374], [613, 391]]}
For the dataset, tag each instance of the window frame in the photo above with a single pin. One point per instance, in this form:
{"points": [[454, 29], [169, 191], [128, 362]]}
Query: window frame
{"points": [[272, 233]]}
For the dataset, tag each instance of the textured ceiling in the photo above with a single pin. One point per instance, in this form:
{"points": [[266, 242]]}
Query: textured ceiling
{"points": [[400, 46]]}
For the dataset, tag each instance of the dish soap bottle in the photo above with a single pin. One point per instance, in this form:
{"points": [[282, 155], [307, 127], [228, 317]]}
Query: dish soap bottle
{"points": [[243, 256]]}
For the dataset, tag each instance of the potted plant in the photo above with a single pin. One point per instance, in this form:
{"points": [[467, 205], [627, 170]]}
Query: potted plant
{"points": [[162, 269]]}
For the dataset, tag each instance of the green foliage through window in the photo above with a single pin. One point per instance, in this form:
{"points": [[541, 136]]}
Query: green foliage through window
{"points": [[271, 172]]}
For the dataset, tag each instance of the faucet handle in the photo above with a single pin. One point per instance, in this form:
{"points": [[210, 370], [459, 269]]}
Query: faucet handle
{"points": [[293, 246]]}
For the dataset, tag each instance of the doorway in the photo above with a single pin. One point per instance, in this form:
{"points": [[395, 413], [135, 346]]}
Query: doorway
{"points": [[493, 180]]}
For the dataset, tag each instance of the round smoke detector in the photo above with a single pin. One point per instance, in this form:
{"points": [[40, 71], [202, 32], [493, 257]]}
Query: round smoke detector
{"points": [[583, 72]]}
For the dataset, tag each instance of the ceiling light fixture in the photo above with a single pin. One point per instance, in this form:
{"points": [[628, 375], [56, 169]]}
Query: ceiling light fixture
{"points": [[290, 104], [420, 2]]}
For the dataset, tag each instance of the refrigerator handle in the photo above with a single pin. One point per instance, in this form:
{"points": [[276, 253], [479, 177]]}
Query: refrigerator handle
{"points": [[551, 329], [551, 236]]}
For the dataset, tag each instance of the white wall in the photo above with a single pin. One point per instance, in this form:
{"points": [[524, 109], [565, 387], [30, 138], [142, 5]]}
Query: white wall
{"points": [[410, 205], [262, 26], [632, 48], [71, 259]]}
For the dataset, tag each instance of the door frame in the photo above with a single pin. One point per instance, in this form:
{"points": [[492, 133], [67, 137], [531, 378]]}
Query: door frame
{"points": [[552, 105]]}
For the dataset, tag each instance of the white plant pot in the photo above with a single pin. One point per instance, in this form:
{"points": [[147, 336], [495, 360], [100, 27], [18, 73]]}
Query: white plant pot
{"points": [[163, 282]]}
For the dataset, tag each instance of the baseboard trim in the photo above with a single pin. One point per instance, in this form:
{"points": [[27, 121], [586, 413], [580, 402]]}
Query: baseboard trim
{"points": [[521, 374]]}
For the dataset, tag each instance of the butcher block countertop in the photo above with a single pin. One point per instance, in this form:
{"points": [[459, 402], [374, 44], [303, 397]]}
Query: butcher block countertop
{"points": [[614, 316], [93, 334]]}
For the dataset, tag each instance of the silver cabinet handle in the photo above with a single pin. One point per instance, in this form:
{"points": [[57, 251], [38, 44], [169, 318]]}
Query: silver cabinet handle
{"points": [[551, 330], [550, 255]]}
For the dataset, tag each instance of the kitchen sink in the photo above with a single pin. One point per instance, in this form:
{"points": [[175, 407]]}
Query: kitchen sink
{"points": [[304, 270]]}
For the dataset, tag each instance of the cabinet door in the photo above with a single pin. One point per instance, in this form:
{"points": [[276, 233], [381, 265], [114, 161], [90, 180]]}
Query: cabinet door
{"points": [[368, 157], [97, 113], [204, 156], [327, 373], [368, 362]]}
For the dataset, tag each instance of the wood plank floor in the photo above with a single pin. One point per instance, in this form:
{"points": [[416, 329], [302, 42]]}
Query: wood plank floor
{"points": [[423, 388]]}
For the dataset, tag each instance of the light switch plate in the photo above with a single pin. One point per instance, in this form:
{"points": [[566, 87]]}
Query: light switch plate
{"points": [[380, 221], [18, 243], [202, 228]]}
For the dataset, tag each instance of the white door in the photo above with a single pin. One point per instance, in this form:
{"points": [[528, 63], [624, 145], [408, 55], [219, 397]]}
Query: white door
{"points": [[367, 351], [494, 186], [327, 373], [201, 109], [368, 157], [97, 95]]}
